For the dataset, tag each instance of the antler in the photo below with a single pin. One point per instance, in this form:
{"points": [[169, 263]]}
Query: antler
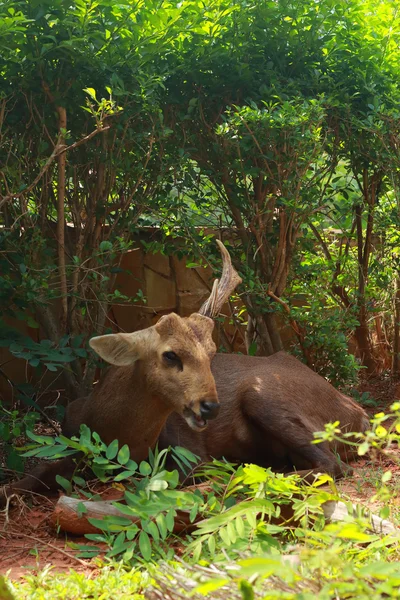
{"points": [[222, 289]]}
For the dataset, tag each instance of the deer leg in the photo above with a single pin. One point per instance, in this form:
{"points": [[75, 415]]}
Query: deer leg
{"points": [[316, 458], [41, 480], [285, 441]]}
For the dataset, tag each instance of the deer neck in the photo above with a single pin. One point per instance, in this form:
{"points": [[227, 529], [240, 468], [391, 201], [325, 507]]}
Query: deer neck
{"points": [[148, 412]]}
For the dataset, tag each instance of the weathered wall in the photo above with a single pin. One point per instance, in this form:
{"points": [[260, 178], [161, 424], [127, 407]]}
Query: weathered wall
{"points": [[168, 285]]}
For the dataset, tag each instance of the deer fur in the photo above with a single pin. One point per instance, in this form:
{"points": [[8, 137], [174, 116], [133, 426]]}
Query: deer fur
{"points": [[167, 384], [270, 408]]}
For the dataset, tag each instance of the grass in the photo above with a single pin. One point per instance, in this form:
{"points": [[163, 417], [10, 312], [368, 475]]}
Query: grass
{"points": [[107, 583]]}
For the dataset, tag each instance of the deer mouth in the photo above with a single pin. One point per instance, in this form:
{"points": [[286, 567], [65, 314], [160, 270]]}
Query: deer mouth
{"points": [[195, 422]]}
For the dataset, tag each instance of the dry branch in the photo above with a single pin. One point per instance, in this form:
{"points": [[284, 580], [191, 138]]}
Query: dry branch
{"points": [[69, 518]]}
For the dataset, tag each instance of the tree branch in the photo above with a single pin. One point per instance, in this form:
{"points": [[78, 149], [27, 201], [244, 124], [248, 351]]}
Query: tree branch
{"points": [[59, 148]]}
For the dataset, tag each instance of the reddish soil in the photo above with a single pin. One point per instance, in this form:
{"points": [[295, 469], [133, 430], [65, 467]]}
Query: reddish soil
{"points": [[365, 482], [29, 541], [366, 478]]}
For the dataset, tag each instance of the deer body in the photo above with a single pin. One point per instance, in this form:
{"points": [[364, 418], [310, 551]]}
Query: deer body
{"points": [[168, 385], [269, 409]]}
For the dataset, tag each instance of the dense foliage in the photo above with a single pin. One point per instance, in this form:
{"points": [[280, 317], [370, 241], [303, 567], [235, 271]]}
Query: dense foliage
{"points": [[277, 119]]}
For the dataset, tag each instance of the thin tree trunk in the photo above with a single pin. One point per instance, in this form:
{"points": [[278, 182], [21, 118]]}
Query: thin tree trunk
{"points": [[362, 336], [396, 334], [273, 331], [61, 160], [383, 345], [361, 333], [257, 333]]}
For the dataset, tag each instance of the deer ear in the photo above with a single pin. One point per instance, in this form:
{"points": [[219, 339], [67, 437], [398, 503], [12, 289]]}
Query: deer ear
{"points": [[123, 349], [168, 325]]}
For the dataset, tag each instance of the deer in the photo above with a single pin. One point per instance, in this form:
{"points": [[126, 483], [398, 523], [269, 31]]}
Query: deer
{"points": [[168, 385]]}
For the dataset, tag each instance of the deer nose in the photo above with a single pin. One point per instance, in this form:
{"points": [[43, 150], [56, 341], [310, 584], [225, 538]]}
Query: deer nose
{"points": [[209, 409]]}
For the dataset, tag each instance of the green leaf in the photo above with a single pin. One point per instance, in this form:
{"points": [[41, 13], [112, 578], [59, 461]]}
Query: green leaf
{"points": [[86, 551], [14, 461], [251, 519], [112, 450], [123, 455], [246, 590], [156, 485], [91, 92], [119, 540], [349, 531], [211, 544], [211, 586], [363, 449], [124, 475], [79, 481], [152, 529], [193, 512], [105, 246], [240, 527], [145, 545], [32, 323], [170, 519], [41, 439], [193, 458], [225, 536], [231, 532], [197, 550], [162, 525], [68, 442], [53, 452], [100, 460], [65, 484], [95, 537], [131, 465], [144, 468]]}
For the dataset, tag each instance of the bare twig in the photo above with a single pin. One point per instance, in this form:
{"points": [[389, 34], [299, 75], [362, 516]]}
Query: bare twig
{"points": [[39, 541], [59, 148]]}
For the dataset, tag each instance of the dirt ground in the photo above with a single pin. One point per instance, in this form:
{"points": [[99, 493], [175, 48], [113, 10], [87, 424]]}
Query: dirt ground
{"points": [[29, 542]]}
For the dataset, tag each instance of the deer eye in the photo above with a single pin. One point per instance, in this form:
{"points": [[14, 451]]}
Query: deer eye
{"points": [[172, 359]]}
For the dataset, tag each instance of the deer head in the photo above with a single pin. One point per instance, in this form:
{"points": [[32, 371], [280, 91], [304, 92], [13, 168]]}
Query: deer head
{"points": [[172, 359]]}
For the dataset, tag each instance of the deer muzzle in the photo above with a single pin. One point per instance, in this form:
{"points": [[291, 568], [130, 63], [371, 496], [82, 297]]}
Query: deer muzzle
{"points": [[209, 410]]}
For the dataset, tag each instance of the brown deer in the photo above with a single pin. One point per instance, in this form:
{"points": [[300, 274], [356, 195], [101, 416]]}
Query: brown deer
{"points": [[167, 384]]}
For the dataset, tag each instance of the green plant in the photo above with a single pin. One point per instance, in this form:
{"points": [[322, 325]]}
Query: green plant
{"points": [[14, 424], [110, 581], [150, 489], [264, 534], [364, 398]]}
